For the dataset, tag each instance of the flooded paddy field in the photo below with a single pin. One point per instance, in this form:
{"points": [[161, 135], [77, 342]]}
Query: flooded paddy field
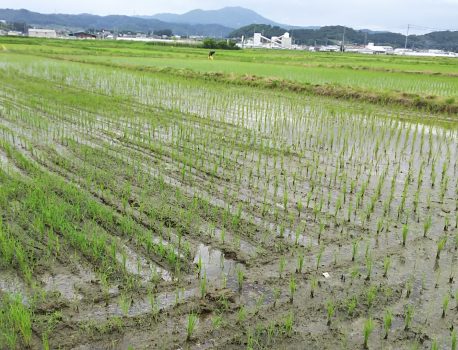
{"points": [[141, 210]]}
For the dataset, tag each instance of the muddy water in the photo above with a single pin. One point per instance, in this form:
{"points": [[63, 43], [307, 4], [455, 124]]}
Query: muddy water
{"points": [[244, 246], [11, 283], [138, 306], [66, 282], [8, 166], [138, 265], [214, 264]]}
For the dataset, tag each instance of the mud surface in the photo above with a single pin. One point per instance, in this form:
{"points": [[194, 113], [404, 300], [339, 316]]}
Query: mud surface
{"points": [[279, 222]]}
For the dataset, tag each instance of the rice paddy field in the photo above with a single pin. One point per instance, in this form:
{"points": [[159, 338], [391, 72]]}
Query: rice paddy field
{"points": [[153, 199]]}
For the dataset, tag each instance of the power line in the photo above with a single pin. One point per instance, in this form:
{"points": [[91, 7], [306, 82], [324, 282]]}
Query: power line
{"points": [[431, 28], [410, 26]]}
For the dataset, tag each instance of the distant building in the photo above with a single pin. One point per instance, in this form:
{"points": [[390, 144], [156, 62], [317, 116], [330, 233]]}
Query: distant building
{"points": [[42, 33], [83, 35], [329, 48], [276, 42], [378, 49], [425, 53], [14, 33]]}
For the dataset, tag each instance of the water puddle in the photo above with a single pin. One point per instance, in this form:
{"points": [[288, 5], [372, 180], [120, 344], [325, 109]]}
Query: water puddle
{"points": [[11, 283], [136, 307], [9, 167], [213, 262], [65, 282], [138, 265], [242, 245]]}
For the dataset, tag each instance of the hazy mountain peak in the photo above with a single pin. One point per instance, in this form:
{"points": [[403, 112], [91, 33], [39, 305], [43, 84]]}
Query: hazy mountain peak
{"points": [[233, 17]]}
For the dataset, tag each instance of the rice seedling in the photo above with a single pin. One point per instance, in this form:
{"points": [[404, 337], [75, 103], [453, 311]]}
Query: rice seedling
{"points": [[191, 325], [124, 303], [386, 266], [154, 306], [330, 310], [251, 341], [440, 246], [408, 287], [387, 322], [427, 225], [408, 315], [288, 324], [299, 207], [354, 250], [199, 266], [277, 294], [367, 330], [281, 265], [368, 268], [203, 286], [242, 314], [371, 294], [319, 256], [259, 302], [313, 286], [352, 303], [445, 302], [240, 277], [292, 288], [405, 231], [270, 332], [456, 299], [300, 263]]}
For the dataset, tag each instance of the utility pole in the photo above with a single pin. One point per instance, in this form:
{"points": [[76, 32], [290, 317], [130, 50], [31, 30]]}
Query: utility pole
{"points": [[407, 35], [343, 40]]}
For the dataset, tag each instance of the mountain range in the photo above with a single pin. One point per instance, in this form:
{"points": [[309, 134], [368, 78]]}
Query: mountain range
{"points": [[232, 22], [114, 22], [232, 17], [215, 23]]}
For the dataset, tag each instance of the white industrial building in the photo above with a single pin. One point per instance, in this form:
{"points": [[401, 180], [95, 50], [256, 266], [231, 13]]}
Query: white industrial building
{"points": [[425, 53], [371, 48], [276, 42], [328, 48], [14, 33], [42, 33]]}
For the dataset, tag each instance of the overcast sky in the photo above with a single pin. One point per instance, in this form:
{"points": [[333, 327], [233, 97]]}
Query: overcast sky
{"points": [[372, 14]]}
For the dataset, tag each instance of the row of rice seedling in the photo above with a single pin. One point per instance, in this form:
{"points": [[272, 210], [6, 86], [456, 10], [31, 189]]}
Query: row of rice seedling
{"points": [[290, 188]]}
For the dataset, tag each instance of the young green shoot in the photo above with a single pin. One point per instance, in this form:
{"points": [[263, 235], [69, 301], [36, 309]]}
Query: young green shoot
{"points": [[367, 330]]}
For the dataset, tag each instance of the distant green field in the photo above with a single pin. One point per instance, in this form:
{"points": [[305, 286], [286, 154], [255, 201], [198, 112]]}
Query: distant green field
{"points": [[131, 49], [383, 74], [367, 79]]}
